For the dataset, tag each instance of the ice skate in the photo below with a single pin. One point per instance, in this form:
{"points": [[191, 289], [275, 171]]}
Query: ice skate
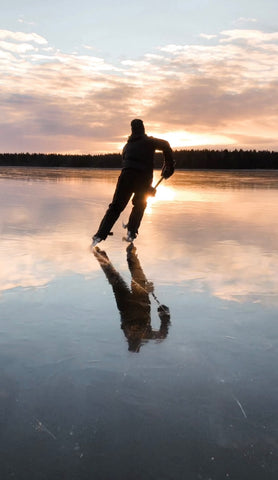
{"points": [[95, 240]]}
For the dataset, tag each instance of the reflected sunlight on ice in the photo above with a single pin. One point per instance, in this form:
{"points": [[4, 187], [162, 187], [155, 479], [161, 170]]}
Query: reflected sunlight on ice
{"points": [[163, 193]]}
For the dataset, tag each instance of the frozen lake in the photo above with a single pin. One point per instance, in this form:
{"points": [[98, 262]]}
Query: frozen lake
{"points": [[86, 391]]}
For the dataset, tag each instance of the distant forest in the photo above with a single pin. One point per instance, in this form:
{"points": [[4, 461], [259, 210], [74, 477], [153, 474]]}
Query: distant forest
{"points": [[185, 159]]}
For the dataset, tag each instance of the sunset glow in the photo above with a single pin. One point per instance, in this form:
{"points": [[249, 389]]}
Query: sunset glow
{"points": [[76, 90], [182, 139]]}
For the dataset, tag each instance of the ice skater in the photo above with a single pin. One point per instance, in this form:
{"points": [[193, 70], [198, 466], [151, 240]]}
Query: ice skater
{"points": [[135, 178]]}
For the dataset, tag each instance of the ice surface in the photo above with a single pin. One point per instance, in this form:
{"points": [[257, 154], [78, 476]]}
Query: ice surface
{"points": [[93, 383]]}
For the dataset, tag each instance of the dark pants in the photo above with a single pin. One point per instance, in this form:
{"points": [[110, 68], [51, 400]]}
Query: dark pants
{"points": [[130, 181]]}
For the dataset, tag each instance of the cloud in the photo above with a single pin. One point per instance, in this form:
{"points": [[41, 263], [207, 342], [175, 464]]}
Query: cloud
{"points": [[22, 37], [207, 37], [226, 89], [244, 20], [254, 37], [16, 48], [26, 22]]}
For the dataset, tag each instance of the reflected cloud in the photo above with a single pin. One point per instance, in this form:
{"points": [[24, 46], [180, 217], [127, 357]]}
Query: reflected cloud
{"points": [[48, 237], [217, 230]]}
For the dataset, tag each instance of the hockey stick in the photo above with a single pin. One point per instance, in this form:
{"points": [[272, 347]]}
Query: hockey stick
{"points": [[159, 181], [152, 190]]}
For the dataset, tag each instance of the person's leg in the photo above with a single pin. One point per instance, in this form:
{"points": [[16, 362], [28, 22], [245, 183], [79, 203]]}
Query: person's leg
{"points": [[119, 286], [123, 192], [139, 204], [135, 268]]}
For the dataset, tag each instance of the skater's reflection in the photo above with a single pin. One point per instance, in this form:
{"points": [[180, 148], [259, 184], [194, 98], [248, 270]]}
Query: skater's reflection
{"points": [[134, 304]]}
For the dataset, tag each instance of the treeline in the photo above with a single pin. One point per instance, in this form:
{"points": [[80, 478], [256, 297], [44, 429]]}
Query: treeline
{"points": [[111, 160], [225, 159], [185, 159]]}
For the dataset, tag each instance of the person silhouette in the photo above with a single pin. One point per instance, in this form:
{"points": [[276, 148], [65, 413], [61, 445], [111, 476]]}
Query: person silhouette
{"points": [[134, 304], [135, 178]]}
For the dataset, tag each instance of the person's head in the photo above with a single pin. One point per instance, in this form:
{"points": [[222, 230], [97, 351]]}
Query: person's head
{"points": [[137, 127]]}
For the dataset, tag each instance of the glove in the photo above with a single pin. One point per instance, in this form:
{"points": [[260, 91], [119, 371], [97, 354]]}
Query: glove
{"points": [[167, 171]]}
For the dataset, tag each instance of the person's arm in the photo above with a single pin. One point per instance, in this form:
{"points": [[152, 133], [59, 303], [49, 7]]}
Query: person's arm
{"points": [[168, 167]]}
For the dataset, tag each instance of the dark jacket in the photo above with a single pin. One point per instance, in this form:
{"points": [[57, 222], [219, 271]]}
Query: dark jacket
{"points": [[138, 153]]}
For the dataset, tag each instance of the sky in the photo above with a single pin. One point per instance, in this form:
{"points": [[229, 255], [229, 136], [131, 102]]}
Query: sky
{"points": [[200, 73]]}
